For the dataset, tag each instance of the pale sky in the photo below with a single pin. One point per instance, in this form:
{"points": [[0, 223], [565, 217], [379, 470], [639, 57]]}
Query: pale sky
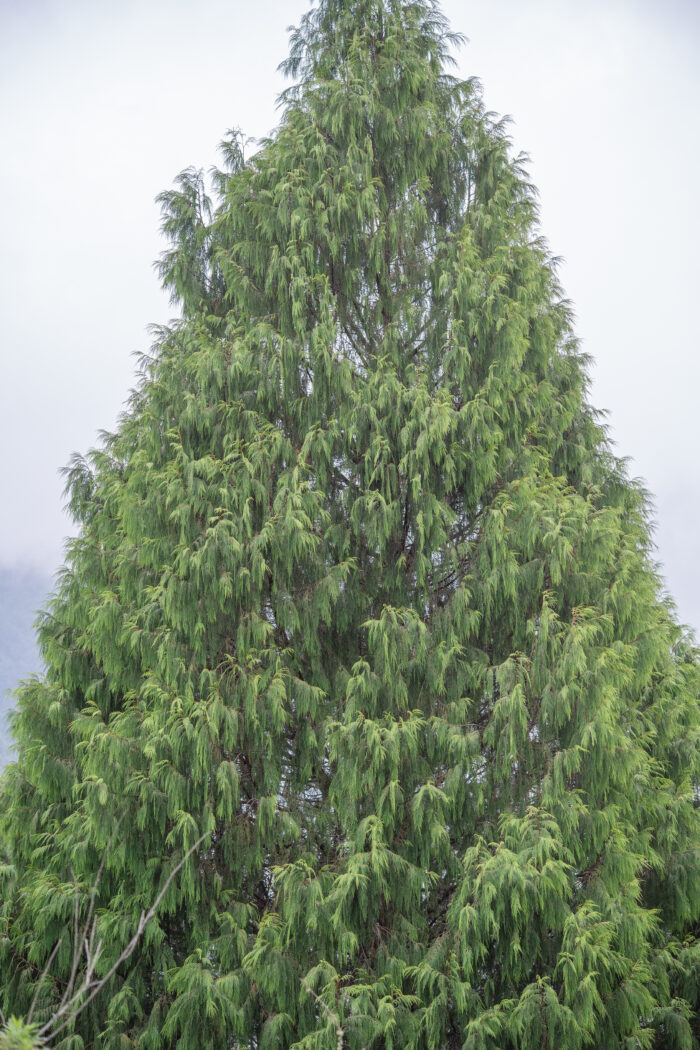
{"points": [[101, 105]]}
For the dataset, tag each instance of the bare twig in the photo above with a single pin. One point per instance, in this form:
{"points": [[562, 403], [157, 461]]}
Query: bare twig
{"points": [[78, 940], [71, 1008], [44, 972], [333, 1017], [76, 950]]}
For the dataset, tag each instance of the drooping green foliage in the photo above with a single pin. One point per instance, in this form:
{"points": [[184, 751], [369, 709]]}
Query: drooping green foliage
{"points": [[361, 592]]}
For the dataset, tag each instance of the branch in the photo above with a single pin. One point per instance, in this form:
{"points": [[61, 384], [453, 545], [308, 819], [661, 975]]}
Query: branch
{"points": [[70, 1009], [77, 938], [333, 1017], [44, 972]]}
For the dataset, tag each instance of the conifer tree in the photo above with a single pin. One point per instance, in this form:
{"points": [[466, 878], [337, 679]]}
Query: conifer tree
{"points": [[362, 595]]}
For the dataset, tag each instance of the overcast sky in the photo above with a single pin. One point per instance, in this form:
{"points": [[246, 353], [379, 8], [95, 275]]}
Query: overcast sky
{"points": [[104, 103]]}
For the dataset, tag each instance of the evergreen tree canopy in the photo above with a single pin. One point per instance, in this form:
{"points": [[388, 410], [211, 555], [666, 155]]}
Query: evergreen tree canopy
{"points": [[360, 592]]}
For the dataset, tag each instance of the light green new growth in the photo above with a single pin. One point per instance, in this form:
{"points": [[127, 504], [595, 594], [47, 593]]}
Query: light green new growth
{"points": [[362, 595]]}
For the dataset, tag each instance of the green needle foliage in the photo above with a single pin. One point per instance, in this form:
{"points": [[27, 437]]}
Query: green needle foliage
{"points": [[362, 594]]}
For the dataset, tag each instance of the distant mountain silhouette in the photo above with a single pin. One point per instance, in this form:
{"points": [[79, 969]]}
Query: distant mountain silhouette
{"points": [[22, 593]]}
